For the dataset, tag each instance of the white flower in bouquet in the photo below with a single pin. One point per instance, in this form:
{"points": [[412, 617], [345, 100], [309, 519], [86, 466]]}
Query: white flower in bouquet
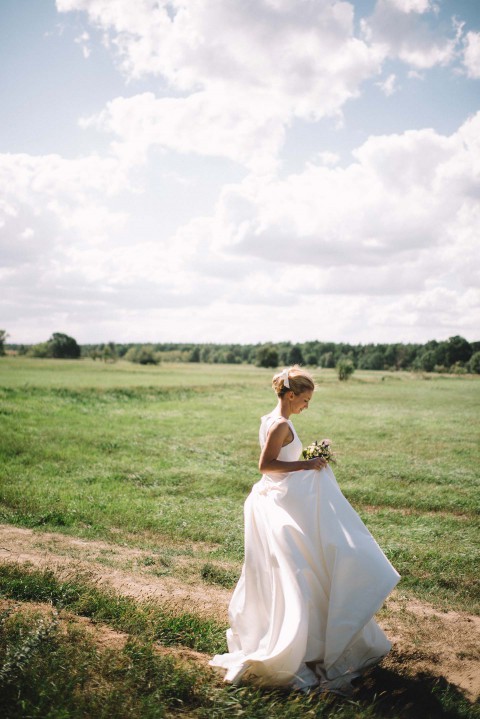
{"points": [[320, 449]]}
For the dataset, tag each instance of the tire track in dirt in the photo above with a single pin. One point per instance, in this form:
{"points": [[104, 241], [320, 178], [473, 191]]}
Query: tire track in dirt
{"points": [[425, 639], [67, 556]]}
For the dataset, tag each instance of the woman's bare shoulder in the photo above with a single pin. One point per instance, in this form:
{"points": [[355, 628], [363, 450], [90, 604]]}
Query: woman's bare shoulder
{"points": [[279, 425]]}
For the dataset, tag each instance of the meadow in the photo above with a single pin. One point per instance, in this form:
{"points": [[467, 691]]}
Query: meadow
{"points": [[160, 459]]}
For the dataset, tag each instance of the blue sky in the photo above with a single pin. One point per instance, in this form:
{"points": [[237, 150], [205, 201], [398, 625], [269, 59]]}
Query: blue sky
{"points": [[223, 170]]}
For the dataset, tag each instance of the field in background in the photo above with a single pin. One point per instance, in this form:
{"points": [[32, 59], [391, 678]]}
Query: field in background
{"points": [[133, 453], [162, 458]]}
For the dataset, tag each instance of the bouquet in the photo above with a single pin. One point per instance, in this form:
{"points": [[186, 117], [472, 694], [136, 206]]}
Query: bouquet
{"points": [[319, 449]]}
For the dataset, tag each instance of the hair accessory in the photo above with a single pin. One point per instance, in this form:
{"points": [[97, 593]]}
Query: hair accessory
{"points": [[284, 376]]}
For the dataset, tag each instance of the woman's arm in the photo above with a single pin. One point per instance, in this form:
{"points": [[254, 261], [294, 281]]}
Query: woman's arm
{"points": [[268, 461]]}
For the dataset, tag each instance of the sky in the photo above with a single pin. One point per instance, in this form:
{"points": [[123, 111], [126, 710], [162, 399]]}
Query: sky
{"points": [[240, 170]]}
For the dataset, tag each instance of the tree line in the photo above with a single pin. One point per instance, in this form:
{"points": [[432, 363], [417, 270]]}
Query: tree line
{"points": [[453, 355]]}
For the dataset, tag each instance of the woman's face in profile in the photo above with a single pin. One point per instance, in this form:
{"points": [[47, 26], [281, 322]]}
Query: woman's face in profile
{"points": [[300, 402]]}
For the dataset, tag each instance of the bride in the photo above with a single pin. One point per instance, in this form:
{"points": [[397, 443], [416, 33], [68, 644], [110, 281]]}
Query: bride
{"points": [[302, 612]]}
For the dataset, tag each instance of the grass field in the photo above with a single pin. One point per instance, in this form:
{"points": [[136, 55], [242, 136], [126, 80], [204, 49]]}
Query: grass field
{"points": [[162, 458]]}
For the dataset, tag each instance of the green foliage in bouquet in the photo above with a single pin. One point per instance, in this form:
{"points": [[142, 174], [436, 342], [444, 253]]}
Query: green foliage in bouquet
{"points": [[319, 449]]}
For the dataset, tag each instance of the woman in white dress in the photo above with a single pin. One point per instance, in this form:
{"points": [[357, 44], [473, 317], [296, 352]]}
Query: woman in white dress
{"points": [[302, 612]]}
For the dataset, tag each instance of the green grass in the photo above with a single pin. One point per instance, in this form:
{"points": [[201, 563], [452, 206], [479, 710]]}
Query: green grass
{"points": [[48, 671], [162, 458], [144, 619], [217, 575], [131, 454]]}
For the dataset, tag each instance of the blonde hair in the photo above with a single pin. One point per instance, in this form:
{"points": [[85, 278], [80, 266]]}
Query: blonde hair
{"points": [[298, 379]]}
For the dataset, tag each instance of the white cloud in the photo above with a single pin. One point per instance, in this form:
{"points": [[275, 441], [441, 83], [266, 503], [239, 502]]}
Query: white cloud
{"points": [[83, 41], [471, 57], [52, 176], [388, 86], [403, 218], [376, 248], [301, 51], [382, 247], [80, 264], [237, 72], [243, 129], [328, 158], [413, 6], [404, 29], [415, 75], [50, 205]]}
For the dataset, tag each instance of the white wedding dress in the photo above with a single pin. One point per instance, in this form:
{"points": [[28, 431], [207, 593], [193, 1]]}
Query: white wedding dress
{"points": [[302, 612]]}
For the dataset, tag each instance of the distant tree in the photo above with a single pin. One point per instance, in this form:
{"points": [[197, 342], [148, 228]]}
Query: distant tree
{"points": [[458, 350], [345, 368], [142, 355], [205, 354], [427, 361], [372, 359], [312, 359], [428, 356], [440, 349], [390, 356], [474, 363], [327, 360], [295, 356], [63, 347], [267, 356], [194, 354], [244, 352], [231, 357], [131, 354], [122, 350], [406, 355], [40, 350], [109, 352], [3, 338]]}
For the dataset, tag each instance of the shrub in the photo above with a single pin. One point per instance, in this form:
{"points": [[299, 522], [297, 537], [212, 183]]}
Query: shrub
{"points": [[40, 350], [3, 338], [474, 364], [142, 355], [345, 368]]}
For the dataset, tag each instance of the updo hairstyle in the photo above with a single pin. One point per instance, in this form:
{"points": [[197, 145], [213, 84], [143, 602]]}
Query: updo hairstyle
{"points": [[298, 379]]}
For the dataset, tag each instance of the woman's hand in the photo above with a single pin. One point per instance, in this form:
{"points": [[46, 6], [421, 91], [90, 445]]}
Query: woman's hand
{"points": [[316, 463]]}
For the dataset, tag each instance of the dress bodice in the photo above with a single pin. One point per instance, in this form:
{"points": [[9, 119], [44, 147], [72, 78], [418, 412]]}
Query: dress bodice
{"points": [[290, 452]]}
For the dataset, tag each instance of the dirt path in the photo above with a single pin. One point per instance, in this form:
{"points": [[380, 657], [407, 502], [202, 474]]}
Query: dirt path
{"points": [[444, 644], [109, 565]]}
